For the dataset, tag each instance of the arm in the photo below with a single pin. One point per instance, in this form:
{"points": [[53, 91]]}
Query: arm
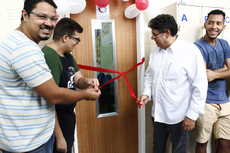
{"points": [[82, 82], [217, 70], [44, 84], [146, 96], [61, 145], [221, 69], [222, 73], [55, 95], [198, 84]]}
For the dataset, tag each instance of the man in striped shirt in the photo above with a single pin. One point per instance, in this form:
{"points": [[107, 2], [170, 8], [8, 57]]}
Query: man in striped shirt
{"points": [[27, 89]]}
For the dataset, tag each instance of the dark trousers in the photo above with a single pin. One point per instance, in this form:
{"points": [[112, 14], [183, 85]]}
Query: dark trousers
{"points": [[179, 137]]}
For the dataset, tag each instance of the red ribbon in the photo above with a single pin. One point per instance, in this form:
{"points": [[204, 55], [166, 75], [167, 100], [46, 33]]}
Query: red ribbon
{"points": [[112, 71]]}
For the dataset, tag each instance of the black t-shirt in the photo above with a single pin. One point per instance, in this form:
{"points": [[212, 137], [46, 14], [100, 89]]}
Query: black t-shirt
{"points": [[65, 113], [63, 69]]}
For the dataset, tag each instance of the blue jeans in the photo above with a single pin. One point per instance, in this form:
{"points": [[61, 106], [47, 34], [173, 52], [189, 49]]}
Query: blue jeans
{"points": [[45, 148], [179, 137]]}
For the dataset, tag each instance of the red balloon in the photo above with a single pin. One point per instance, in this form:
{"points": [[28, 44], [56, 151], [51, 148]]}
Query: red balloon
{"points": [[101, 3], [142, 4]]}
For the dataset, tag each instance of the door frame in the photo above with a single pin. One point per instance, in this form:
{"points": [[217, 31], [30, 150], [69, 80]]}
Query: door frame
{"points": [[140, 81]]}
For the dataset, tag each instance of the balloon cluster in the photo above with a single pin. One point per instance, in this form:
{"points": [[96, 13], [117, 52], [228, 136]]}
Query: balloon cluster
{"points": [[141, 5], [77, 6], [70, 6]]}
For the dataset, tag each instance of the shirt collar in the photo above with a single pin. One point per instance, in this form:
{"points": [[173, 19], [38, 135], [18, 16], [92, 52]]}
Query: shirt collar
{"points": [[175, 44]]}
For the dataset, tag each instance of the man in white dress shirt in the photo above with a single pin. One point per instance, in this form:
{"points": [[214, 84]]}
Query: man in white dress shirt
{"points": [[176, 81]]}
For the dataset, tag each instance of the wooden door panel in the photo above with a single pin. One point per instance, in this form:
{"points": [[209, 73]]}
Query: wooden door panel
{"points": [[116, 134]]}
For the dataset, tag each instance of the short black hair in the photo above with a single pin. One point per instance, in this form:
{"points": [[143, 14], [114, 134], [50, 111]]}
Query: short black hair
{"points": [[29, 5], [217, 12], [163, 23], [66, 26]]}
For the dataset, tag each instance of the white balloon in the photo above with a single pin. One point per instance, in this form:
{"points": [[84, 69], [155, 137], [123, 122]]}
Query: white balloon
{"points": [[131, 11], [77, 6], [62, 7], [152, 11]]}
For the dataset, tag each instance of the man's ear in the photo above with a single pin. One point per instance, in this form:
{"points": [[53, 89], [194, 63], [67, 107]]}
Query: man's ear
{"points": [[168, 33], [65, 38], [205, 25], [25, 15], [224, 27]]}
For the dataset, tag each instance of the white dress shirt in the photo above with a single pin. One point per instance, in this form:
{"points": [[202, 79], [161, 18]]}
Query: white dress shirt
{"points": [[176, 81]]}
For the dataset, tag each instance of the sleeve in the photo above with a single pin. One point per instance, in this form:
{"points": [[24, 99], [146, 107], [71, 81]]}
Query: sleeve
{"points": [[75, 64], [54, 63], [226, 48], [29, 63], [201, 49], [199, 84], [148, 80]]}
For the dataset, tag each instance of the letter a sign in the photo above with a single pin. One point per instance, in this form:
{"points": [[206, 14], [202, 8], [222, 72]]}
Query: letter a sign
{"points": [[184, 18]]}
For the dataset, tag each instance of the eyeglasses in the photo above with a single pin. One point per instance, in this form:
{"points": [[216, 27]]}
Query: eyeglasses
{"points": [[77, 39], [155, 34], [45, 17]]}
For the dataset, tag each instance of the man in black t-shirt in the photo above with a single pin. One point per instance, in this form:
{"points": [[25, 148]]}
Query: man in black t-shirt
{"points": [[66, 74]]}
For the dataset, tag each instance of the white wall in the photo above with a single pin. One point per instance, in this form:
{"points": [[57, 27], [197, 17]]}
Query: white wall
{"points": [[10, 14], [214, 3]]}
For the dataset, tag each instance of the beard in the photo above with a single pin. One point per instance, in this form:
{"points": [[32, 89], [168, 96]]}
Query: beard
{"points": [[212, 38], [44, 38], [47, 36]]}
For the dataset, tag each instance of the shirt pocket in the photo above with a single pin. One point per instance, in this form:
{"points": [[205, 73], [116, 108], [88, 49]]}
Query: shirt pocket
{"points": [[172, 73]]}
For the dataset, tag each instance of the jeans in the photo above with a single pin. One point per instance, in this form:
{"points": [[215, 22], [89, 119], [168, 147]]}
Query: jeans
{"points": [[179, 137], [45, 148]]}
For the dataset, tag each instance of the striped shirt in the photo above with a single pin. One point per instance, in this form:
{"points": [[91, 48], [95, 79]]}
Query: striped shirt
{"points": [[26, 119]]}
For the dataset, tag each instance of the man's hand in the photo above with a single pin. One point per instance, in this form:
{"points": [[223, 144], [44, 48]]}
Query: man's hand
{"points": [[211, 75], [92, 94], [144, 99], [61, 145], [93, 82], [188, 124]]}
